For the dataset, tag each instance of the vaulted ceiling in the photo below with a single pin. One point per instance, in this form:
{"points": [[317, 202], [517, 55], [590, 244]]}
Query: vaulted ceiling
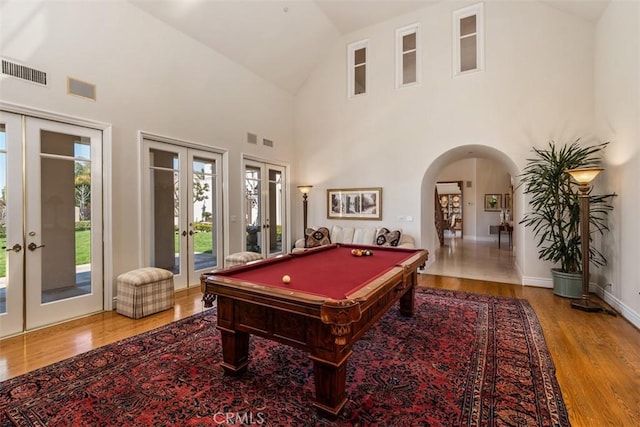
{"points": [[283, 40]]}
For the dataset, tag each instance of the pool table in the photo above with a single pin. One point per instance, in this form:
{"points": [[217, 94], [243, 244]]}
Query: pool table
{"points": [[333, 297]]}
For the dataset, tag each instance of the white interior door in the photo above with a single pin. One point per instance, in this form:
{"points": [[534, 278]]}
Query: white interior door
{"points": [[264, 208], [184, 210]]}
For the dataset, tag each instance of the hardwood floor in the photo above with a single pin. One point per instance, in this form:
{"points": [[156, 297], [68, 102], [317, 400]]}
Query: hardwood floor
{"points": [[597, 356]]}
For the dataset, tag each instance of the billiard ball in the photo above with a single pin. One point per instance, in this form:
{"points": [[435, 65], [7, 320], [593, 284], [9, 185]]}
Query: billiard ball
{"points": [[286, 278]]}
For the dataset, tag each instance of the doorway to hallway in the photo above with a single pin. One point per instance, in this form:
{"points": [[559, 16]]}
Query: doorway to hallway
{"points": [[473, 259]]}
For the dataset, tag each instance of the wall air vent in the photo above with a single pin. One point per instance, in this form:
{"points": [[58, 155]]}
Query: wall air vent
{"points": [[79, 88], [19, 71], [267, 142], [252, 138]]}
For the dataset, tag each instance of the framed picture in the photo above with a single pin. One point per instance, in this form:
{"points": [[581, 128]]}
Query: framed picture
{"points": [[492, 202], [507, 201], [354, 203]]}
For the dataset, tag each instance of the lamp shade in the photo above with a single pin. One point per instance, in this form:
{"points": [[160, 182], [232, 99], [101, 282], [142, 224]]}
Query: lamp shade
{"points": [[584, 175], [304, 189]]}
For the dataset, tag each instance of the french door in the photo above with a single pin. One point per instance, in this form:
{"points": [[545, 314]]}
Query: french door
{"points": [[50, 222], [183, 210], [264, 208]]}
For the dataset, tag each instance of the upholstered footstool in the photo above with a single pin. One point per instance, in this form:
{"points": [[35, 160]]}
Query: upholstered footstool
{"points": [[241, 258], [144, 291]]}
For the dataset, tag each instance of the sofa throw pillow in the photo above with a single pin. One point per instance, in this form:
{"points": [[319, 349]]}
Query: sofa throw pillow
{"points": [[314, 238], [386, 237]]}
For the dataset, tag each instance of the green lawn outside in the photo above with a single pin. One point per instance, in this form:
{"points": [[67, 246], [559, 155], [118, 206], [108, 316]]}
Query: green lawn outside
{"points": [[83, 250], [3, 257], [202, 241]]}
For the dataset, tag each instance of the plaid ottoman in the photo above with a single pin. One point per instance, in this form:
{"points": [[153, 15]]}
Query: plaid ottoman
{"points": [[144, 291], [240, 258]]}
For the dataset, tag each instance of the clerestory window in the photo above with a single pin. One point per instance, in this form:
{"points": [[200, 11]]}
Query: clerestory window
{"points": [[468, 39], [408, 58], [358, 73]]}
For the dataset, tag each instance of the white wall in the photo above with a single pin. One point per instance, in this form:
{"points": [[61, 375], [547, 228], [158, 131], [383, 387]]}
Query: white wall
{"points": [[149, 77], [617, 95], [538, 85]]}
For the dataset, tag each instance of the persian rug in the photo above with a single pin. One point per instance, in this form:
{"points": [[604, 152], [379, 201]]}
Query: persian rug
{"points": [[462, 360]]}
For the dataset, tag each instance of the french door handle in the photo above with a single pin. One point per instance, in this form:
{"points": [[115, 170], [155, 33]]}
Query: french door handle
{"points": [[32, 246], [184, 233], [14, 248], [190, 232]]}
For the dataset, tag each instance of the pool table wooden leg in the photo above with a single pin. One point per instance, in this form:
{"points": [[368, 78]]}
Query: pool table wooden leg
{"points": [[235, 351], [330, 378], [408, 302]]}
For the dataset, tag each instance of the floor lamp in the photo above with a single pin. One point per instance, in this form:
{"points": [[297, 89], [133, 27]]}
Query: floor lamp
{"points": [[304, 189], [583, 177]]}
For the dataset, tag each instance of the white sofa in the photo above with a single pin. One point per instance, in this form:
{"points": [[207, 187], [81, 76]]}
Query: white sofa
{"points": [[358, 236]]}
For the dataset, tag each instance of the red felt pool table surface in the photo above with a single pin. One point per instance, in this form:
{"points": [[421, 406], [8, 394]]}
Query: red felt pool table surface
{"points": [[330, 271]]}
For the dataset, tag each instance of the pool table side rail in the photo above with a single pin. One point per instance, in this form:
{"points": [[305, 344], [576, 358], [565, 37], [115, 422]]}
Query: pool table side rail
{"points": [[290, 300]]}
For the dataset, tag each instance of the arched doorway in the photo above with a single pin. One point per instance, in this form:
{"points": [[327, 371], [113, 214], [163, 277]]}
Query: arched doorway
{"points": [[488, 179]]}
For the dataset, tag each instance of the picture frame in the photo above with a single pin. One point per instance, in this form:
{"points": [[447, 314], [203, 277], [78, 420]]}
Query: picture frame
{"points": [[507, 201], [354, 203], [492, 202]]}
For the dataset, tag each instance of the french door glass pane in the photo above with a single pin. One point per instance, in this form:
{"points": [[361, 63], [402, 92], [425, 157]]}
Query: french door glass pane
{"points": [[275, 211], [164, 179], [252, 209], [204, 215], [3, 219], [65, 205]]}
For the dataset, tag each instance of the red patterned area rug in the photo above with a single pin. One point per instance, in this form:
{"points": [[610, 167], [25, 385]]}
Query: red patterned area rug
{"points": [[462, 360]]}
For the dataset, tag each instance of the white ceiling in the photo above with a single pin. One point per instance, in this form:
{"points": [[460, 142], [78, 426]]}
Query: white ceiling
{"points": [[282, 40]]}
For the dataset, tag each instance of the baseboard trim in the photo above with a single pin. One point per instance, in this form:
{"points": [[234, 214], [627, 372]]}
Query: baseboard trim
{"points": [[625, 311], [537, 282]]}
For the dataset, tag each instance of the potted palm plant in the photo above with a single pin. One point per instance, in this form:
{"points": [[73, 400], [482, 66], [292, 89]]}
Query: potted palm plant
{"points": [[555, 211]]}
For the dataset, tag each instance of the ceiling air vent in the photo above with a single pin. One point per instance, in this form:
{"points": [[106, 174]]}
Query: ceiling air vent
{"points": [[13, 69]]}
